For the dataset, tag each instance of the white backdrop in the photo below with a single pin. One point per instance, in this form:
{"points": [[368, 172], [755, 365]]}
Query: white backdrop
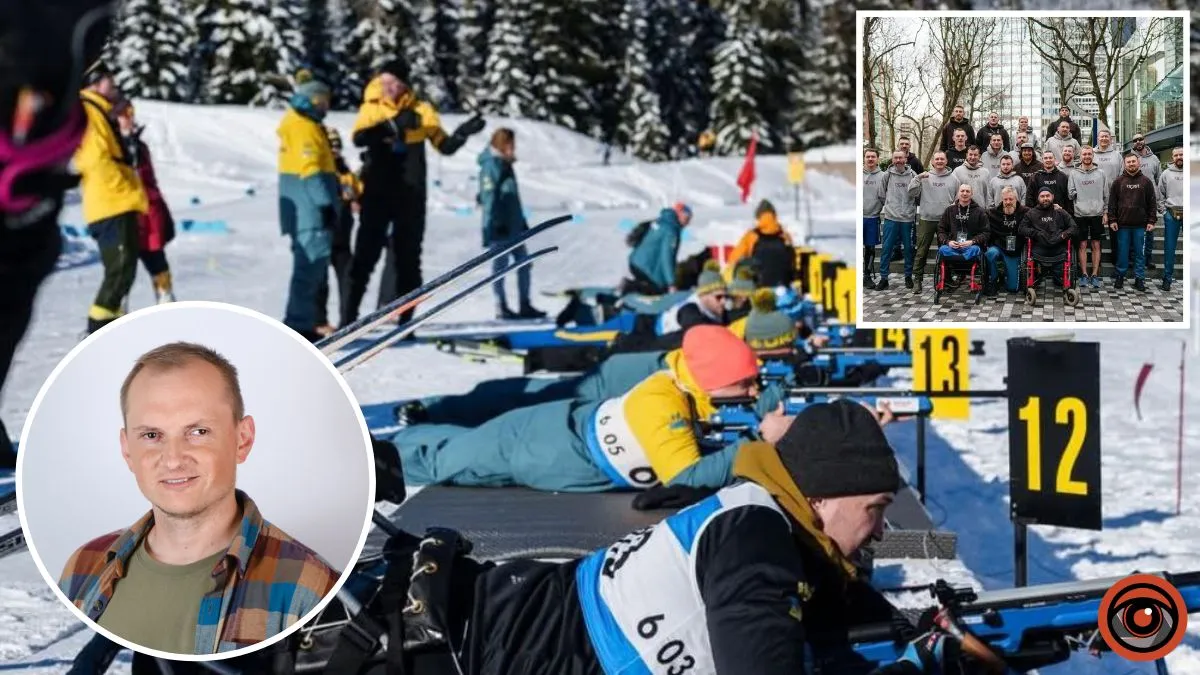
{"points": [[310, 470]]}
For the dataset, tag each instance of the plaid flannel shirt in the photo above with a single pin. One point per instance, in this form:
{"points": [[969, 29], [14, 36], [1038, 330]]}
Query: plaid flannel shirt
{"points": [[266, 582]]}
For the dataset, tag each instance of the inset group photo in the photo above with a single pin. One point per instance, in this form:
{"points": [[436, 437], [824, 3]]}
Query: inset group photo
{"points": [[1023, 167]]}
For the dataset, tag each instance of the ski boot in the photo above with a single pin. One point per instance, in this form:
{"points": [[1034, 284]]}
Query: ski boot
{"points": [[530, 312]]}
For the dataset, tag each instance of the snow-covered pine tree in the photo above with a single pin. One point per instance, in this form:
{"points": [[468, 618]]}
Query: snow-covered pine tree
{"points": [[376, 35], [256, 47], [641, 129], [686, 95], [509, 68], [148, 51], [418, 44], [346, 79], [559, 60], [475, 21], [603, 77], [445, 37], [740, 76], [317, 52], [784, 41]]}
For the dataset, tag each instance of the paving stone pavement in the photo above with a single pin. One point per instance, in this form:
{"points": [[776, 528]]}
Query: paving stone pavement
{"points": [[1099, 305]]}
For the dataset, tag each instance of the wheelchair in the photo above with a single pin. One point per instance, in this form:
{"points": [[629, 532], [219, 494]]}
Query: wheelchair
{"points": [[950, 273], [1036, 269]]}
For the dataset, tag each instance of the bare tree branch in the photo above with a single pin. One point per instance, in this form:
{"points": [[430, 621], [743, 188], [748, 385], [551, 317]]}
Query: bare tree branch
{"points": [[880, 41], [959, 48]]}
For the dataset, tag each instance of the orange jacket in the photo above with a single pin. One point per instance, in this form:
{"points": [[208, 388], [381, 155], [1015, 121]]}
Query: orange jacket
{"points": [[767, 224]]}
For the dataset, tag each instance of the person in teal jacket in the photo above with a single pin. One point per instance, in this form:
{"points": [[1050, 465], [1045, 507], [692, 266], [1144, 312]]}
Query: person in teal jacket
{"points": [[308, 200], [652, 260], [647, 435], [503, 219]]}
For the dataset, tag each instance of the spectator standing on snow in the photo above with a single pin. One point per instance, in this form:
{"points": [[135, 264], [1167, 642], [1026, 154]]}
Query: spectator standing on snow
{"points": [[503, 219], [393, 124], [308, 201], [769, 246], [156, 227], [958, 122], [340, 256], [113, 197]]}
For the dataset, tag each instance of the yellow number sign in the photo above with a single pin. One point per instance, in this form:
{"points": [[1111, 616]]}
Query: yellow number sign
{"points": [[814, 274], [1070, 411], [795, 168], [846, 294], [940, 363]]}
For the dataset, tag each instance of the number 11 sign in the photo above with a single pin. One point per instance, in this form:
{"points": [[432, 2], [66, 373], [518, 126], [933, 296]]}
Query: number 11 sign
{"points": [[1054, 433]]}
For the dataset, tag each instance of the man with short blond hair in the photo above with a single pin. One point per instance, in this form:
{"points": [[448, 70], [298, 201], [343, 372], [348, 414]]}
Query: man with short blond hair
{"points": [[203, 571]]}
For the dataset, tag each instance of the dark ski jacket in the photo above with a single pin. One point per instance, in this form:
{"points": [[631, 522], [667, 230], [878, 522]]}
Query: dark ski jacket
{"points": [[1002, 225], [1027, 171], [984, 138], [1132, 201], [955, 217], [768, 590], [951, 127], [1049, 228], [499, 199]]}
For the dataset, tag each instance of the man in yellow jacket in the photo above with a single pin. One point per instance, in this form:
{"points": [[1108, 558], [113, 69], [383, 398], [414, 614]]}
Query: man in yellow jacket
{"points": [[309, 199], [645, 437], [392, 126], [113, 196]]}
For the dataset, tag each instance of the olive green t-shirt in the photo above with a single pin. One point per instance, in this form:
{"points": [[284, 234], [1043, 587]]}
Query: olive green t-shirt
{"points": [[156, 605]]}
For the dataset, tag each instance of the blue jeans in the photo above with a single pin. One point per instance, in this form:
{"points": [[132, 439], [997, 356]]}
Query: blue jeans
{"points": [[1170, 241], [1149, 245], [1012, 268], [523, 277], [871, 231], [1131, 240], [968, 253], [891, 231]]}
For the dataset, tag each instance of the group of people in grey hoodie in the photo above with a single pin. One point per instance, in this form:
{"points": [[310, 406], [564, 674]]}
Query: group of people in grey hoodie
{"points": [[908, 206]]}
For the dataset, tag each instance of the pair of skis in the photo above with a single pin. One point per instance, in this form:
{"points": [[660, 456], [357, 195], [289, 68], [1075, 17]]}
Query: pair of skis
{"points": [[338, 341], [14, 541]]}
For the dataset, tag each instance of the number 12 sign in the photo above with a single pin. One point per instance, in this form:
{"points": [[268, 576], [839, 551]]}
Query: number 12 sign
{"points": [[1054, 432]]}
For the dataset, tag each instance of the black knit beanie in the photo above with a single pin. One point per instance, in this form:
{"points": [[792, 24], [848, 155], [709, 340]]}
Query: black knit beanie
{"points": [[397, 68], [838, 449]]}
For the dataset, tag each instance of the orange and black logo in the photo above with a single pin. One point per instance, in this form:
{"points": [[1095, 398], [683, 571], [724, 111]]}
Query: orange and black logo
{"points": [[1143, 617]]}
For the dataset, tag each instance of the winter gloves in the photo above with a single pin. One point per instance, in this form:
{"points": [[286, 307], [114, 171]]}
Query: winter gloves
{"points": [[471, 126]]}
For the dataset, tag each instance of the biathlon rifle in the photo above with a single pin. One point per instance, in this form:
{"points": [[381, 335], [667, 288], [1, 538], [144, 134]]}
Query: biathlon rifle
{"points": [[1021, 628], [736, 417]]}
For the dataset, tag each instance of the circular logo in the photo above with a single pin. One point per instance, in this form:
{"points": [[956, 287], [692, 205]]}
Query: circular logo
{"points": [[1142, 617]]}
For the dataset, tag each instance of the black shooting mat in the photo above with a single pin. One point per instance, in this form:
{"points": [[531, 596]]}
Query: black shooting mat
{"points": [[1100, 305], [502, 522]]}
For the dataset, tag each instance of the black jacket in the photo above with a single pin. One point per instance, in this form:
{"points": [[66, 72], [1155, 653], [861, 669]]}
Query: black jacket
{"points": [[984, 138], [527, 620], [949, 129], [1055, 180], [1026, 171], [1052, 130], [955, 159], [1000, 226], [955, 217], [1049, 228], [1132, 201]]}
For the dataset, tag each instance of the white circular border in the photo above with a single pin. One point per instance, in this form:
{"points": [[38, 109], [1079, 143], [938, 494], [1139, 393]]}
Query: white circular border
{"points": [[185, 305]]}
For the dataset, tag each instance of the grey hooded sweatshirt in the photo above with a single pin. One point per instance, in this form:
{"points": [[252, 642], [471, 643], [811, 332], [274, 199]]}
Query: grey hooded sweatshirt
{"points": [[898, 204], [1170, 189], [977, 178], [936, 191], [992, 162], [1088, 189], [872, 182], [1110, 161], [1056, 144], [1002, 180], [1151, 167]]}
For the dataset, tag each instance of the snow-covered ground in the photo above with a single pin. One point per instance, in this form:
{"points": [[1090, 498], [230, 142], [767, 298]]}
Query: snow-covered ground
{"points": [[220, 155]]}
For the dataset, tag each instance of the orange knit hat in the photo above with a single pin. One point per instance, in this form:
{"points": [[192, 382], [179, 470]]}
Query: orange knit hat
{"points": [[717, 358]]}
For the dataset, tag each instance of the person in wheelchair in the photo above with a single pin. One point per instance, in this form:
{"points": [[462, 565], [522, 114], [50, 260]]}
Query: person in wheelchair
{"points": [[1006, 241], [963, 230], [1050, 229]]}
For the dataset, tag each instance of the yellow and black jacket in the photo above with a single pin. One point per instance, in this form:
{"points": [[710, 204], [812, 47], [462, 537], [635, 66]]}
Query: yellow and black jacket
{"points": [[109, 182], [393, 135]]}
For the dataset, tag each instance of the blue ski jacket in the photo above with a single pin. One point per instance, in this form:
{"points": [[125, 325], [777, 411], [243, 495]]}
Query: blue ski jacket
{"points": [[655, 253], [503, 216]]}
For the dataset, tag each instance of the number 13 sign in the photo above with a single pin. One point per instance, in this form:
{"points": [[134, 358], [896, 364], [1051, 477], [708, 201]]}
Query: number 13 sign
{"points": [[1054, 432]]}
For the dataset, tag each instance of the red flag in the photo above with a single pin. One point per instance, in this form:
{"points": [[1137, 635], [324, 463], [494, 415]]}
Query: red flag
{"points": [[746, 176], [1138, 386]]}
